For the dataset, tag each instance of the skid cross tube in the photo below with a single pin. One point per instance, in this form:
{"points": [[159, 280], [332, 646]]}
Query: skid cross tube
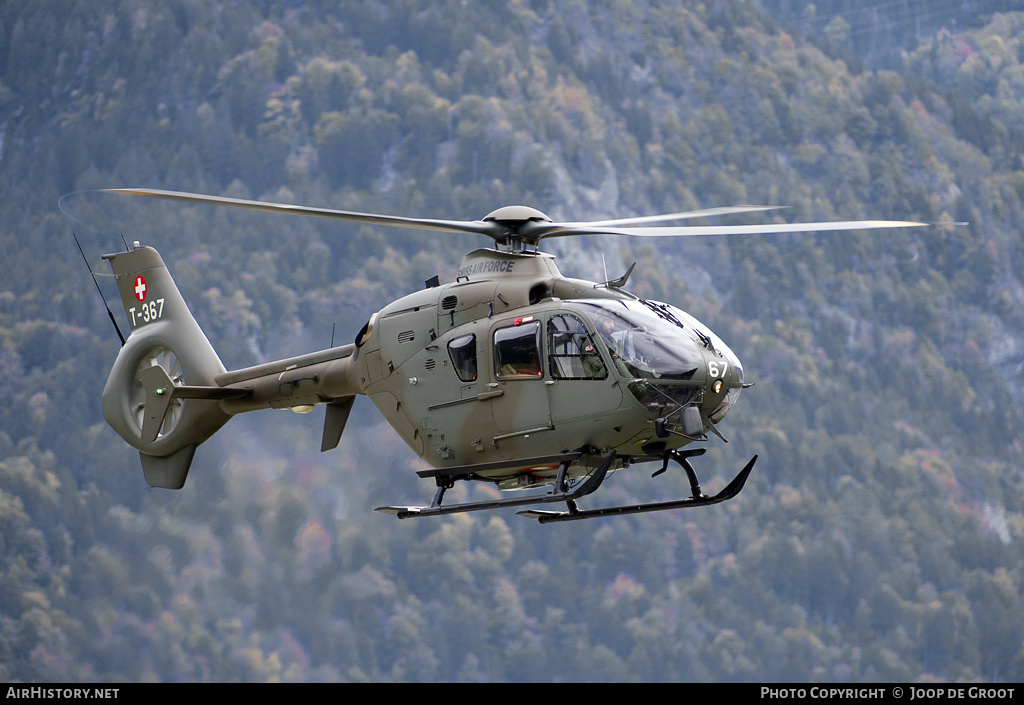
{"points": [[560, 493]]}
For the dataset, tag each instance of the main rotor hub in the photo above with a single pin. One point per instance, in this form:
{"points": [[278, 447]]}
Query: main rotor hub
{"points": [[516, 214], [516, 221]]}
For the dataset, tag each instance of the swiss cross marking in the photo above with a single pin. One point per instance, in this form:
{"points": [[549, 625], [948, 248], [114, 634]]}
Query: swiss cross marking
{"points": [[140, 288]]}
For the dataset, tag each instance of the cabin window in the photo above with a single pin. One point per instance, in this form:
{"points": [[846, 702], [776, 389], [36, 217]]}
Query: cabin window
{"points": [[462, 351], [571, 350], [517, 351]]}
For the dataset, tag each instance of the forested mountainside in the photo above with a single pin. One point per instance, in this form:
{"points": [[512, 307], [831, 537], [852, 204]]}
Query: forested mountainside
{"points": [[880, 535]]}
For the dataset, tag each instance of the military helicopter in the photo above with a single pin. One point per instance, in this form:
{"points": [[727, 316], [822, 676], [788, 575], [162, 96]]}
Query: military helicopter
{"points": [[513, 374]]}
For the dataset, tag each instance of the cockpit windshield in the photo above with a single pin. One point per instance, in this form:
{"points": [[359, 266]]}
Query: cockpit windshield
{"points": [[642, 343]]}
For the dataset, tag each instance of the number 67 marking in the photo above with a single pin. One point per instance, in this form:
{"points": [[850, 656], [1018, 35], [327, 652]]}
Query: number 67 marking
{"points": [[716, 368]]}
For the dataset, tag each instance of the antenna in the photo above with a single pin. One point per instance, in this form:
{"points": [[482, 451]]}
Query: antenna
{"points": [[98, 290]]}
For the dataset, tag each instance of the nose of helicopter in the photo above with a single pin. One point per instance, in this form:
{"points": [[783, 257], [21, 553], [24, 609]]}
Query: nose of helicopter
{"points": [[724, 381]]}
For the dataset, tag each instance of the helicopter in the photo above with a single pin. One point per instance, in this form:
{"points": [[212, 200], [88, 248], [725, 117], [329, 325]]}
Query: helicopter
{"points": [[513, 374]]}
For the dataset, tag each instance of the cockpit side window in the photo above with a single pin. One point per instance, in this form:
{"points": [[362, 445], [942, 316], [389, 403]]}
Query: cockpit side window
{"points": [[462, 351], [571, 350], [517, 351]]}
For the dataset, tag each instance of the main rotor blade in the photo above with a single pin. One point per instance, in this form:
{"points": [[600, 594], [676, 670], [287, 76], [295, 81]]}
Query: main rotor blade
{"points": [[476, 227], [763, 229], [685, 215], [535, 230]]}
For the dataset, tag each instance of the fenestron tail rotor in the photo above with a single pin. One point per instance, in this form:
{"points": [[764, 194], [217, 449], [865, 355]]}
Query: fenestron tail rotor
{"points": [[514, 226]]}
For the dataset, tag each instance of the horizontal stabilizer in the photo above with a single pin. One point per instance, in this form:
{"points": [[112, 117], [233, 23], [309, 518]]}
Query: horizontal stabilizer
{"points": [[161, 390]]}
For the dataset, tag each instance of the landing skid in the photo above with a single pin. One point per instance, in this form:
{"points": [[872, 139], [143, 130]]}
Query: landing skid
{"points": [[562, 493], [697, 499]]}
